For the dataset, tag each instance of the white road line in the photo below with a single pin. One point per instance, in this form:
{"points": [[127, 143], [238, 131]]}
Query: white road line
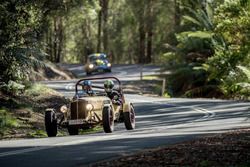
{"points": [[208, 114]]}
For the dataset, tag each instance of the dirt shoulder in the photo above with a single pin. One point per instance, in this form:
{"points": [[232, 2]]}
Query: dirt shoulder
{"points": [[226, 149], [22, 116], [50, 72]]}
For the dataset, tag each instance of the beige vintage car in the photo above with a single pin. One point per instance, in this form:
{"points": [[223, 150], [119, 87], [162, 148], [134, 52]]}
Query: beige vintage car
{"points": [[85, 112]]}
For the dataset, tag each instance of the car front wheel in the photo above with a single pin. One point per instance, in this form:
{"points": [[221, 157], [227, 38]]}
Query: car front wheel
{"points": [[51, 123], [129, 118], [107, 120]]}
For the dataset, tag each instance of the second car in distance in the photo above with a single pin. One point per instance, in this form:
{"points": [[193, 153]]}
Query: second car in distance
{"points": [[97, 62]]}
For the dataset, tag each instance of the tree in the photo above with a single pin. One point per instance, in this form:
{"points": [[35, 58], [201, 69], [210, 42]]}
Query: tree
{"points": [[103, 26], [20, 32], [145, 14]]}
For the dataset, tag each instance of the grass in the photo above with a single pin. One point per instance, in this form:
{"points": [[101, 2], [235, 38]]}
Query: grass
{"points": [[150, 77], [92, 130], [7, 121], [37, 134]]}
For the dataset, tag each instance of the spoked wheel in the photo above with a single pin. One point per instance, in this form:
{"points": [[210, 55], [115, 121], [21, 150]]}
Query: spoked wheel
{"points": [[108, 120], [51, 123], [73, 130], [129, 118]]}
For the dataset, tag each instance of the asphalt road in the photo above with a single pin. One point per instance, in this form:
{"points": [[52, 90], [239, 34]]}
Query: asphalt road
{"points": [[159, 121]]}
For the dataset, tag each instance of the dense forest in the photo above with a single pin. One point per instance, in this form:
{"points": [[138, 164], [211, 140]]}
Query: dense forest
{"points": [[205, 43]]}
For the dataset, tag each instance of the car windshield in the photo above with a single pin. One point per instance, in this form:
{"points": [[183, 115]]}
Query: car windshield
{"points": [[94, 58]]}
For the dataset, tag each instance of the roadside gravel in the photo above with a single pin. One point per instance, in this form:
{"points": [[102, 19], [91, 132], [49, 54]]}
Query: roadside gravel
{"points": [[222, 150]]}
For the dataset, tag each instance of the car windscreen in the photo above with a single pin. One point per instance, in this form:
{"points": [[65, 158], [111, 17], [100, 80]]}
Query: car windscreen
{"points": [[97, 58]]}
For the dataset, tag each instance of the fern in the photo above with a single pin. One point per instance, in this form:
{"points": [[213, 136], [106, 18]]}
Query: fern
{"points": [[245, 70]]}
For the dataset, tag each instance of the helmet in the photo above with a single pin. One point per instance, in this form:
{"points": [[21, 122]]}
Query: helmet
{"points": [[86, 83], [108, 85]]}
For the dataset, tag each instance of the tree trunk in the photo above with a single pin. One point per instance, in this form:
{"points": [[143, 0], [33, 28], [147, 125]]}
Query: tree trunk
{"points": [[105, 25], [99, 34], [59, 39], [49, 47], [55, 40], [149, 45], [87, 47], [142, 36], [149, 29], [57, 44], [177, 19]]}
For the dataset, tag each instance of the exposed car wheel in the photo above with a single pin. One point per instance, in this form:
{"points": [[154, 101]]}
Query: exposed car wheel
{"points": [[73, 130], [129, 119], [107, 120], [88, 73], [109, 70], [51, 123]]}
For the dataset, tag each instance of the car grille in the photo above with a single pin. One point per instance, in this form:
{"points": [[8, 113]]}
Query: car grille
{"points": [[78, 110]]}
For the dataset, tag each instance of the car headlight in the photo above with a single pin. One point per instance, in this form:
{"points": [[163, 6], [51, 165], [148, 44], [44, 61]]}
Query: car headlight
{"points": [[64, 109], [89, 107], [91, 66], [109, 64]]}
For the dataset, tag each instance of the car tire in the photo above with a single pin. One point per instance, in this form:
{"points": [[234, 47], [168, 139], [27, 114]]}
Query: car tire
{"points": [[108, 120], [73, 130], [51, 123], [129, 119], [88, 73]]}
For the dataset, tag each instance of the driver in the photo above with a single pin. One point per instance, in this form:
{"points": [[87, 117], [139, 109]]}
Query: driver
{"points": [[111, 93], [86, 89]]}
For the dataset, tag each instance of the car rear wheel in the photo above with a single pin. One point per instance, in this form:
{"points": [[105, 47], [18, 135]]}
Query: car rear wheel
{"points": [[108, 120], [73, 130], [51, 123], [129, 118], [88, 73]]}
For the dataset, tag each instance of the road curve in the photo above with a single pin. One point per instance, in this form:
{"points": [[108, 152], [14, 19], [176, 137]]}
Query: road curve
{"points": [[159, 121]]}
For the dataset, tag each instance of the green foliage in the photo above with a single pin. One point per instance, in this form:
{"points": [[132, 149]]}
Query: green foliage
{"points": [[7, 121], [19, 31], [12, 87], [246, 71], [185, 78], [167, 95], [232, 21], [215, 42]]}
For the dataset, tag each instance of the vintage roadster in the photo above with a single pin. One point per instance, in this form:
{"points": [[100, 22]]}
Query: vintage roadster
{"points": [[85, 111]]}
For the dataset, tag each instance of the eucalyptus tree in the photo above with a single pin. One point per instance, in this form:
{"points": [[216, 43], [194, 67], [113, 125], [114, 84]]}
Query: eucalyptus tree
{"points": [[145, 13], [103, 37], [80, 32]]}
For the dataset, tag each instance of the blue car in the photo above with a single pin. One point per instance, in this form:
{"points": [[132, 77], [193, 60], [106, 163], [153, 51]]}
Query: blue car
{"points": [[97, 62]]}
